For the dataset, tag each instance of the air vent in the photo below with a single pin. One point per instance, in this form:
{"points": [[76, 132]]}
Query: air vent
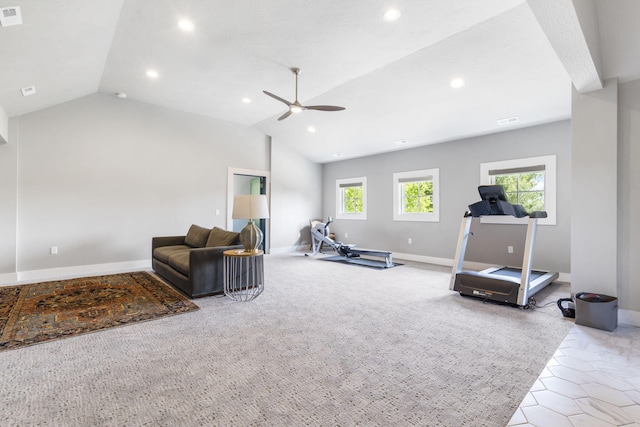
{"points": [[508, 121], [10, 16], [26, 91]]}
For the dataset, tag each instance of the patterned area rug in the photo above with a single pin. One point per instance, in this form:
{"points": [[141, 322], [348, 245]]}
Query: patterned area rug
{"points": [[31, 314]]}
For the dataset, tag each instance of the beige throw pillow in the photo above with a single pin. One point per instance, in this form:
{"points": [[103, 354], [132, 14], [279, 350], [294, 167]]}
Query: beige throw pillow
{"points": [[197, 236], [220, 237]]}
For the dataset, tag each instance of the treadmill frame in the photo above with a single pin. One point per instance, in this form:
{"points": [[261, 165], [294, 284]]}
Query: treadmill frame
{"points": [[479, 284]]}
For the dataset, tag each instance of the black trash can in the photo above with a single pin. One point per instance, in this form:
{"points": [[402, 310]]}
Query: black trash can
{"points": [[597, 311]]}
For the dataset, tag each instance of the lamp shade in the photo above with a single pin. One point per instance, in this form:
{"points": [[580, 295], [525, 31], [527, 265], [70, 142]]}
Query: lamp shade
{"points": [[250, 206]]}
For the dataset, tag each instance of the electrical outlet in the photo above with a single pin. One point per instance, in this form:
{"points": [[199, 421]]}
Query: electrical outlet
{"points": [[346, 235], [53, 250], [217, 211], [510, 249], [409, 240]]}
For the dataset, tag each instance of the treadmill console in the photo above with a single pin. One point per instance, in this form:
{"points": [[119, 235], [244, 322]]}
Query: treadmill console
{"points": [[494, 202]]}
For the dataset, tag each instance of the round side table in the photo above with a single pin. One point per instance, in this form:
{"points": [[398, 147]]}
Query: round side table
{"points": [[243, 274]]}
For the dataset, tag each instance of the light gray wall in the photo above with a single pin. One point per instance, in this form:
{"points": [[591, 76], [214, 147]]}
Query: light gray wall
{"points": [[8, 199], [99, 176], [459, 164], [594, 125], [629, 195], [296, 187]]}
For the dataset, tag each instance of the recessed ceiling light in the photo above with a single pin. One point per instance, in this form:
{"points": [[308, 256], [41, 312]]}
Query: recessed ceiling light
{"points": [[457, 82], [246, 100], [391, 15], [337, 155], [401, 142], [121, 95], [186, 25], [508, 120], [153, 74], [311, 129]]}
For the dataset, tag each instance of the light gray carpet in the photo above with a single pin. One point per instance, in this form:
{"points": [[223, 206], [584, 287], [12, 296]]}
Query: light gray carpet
{"points": [[326, 344]]}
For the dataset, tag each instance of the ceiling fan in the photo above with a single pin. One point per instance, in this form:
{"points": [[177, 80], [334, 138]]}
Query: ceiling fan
{"points": [[296, 107]]}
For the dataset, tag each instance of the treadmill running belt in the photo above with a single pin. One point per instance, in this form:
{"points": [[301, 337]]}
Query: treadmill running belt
{"points": [[516, 273]]}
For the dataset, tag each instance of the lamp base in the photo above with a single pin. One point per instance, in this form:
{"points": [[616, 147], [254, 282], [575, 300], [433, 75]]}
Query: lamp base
{"points": [[251, 237]]}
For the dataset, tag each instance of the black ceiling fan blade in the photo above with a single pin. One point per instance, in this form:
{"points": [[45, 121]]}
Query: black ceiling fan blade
{"points": [[323, 108], [285, 115], [277, 97]]}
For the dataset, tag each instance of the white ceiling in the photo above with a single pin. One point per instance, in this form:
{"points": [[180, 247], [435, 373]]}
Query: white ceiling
{"points": [[393, 78]]}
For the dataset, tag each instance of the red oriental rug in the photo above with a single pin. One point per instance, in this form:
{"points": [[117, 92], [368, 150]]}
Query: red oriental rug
{"points": [[31, 314]]}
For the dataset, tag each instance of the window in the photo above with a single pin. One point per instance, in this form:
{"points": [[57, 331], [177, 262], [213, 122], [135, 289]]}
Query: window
{"points": [[524, 186], [416, 196], [351, 198], [528, 182]]}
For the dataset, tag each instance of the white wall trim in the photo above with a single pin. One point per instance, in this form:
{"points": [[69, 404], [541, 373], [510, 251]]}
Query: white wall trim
{"points": [[629, 317], [8, 279], [61, 273], [445, 262], [422, 258], [289, 249], [468, 265]]}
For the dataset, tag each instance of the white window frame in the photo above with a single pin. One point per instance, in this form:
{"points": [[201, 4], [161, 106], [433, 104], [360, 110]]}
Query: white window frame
{"points": [[549, 163], [357, 181], [398, 177]]}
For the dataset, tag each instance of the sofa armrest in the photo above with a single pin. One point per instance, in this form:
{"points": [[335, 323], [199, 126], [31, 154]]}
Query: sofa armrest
{"points": [[206, 267], [157, 242]]}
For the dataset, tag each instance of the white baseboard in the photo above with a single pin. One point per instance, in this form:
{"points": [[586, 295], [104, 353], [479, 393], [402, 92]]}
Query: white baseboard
{"points": [[421, 258], [60, 273], [8, 279], [447, 262], [288, 249], [629, 317], [475, 266]]}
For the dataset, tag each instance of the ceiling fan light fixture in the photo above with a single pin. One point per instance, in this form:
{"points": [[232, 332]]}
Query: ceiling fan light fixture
{"points": [[295, 106]]}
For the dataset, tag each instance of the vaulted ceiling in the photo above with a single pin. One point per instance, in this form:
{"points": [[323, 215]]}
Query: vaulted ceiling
{"points": [[516, 59]]}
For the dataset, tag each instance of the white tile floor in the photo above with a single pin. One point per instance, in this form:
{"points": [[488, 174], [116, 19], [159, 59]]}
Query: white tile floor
{"points": [[593, 380]]}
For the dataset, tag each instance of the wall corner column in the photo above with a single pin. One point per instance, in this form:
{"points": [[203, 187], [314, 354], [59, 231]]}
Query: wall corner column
{"points": [[594, 213]]}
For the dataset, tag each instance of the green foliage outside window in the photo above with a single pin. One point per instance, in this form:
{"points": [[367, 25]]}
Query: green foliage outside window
{"points": [[417, 197], [352, 199], [526, 189]]}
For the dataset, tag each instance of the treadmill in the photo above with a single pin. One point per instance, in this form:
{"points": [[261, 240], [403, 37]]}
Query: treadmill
{"points": [[508, 285]]}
